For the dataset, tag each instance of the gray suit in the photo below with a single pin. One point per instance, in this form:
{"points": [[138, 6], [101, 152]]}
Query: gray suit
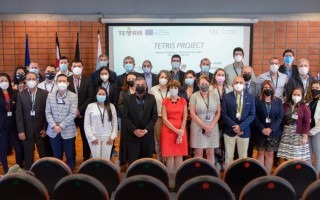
{"points": [[31, 125], [254, 88]]}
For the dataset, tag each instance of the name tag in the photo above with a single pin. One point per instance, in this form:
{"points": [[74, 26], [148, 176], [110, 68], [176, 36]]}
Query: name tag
{"points": [[268, 120], [238, 115], [32, 113], [9, 114], [208, 118], [294, 116]]}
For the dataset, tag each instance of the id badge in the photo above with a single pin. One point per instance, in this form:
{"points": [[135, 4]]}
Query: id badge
{"points": [[208, 118], [238, 115], [9, 114], [268, 120], [294, 116], [32, 113]]}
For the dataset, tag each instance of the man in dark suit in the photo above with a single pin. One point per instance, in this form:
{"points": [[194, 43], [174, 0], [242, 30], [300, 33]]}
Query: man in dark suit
{"points": [[103, 61], [31, 120], [151, 78], [250, 86], [205, 67], [82, 86], [176, 73], [288, 68], [128, 64], [140, 115], [238, 112]]}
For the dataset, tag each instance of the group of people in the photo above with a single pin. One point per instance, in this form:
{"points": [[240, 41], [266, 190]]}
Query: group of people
{"points": [[173, 114]]}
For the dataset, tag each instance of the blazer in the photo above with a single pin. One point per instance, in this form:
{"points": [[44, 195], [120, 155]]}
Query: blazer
{"points": [[85, 95], [8, 122], [120, 79], [304, 118], [254, 88], [276, 115], [181, 76], [295, 72], [294, 82], [62, 115], [27, 123], [229, 111], [136, 118]]}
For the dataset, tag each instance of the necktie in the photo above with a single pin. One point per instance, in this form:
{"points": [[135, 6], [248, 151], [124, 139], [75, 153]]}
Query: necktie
{"points": [[239, 105], [247, 87], [78, 84]]}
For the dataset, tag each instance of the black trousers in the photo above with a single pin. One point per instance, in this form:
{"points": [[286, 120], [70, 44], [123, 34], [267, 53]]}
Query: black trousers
{"points": [[139, 149], [28, 147], [85, 145]]}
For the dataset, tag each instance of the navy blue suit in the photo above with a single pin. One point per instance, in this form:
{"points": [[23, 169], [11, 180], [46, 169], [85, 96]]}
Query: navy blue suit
{"points": [[229, 111]]}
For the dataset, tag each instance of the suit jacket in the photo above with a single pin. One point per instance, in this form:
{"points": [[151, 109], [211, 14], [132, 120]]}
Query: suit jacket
{"points": [[294, 82], [276, 115], [85, 95], [229, 111], [304, 117], [254, 88], [140, 116], [121, 78], [25, 122], [8, 122], [295, 72], [181, 76], [200, 73]]}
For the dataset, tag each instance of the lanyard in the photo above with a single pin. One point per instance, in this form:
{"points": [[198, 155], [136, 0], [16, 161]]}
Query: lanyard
{"points": [[161, 94], [101, 114], [268, 107], [45, 85], [106, 86], [33, 99], [223, 92], [207, 104], [277, 80], [235, 69]]}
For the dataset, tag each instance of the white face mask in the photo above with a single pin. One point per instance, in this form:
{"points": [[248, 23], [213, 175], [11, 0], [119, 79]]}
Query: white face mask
{"points": [[77, 71], [62, 86], [163, 81], [238, 58], [238, 87], [31, 84], [4, 85], [104, 78], [173, 92], [303, 71], [274, 68], [296, 99]]}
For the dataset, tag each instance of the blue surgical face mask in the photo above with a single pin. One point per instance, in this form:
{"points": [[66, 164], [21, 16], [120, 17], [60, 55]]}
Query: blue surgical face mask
{"points": [[146, 70], [34, 70], [175, 65], [103, 63], [288, 59], [128, 67], [101, 98], [189, 81], [63, 67], [205, 68]]}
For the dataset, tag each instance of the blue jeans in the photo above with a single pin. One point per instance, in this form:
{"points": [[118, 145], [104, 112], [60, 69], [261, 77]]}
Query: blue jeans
{"points": [[59, 144]]}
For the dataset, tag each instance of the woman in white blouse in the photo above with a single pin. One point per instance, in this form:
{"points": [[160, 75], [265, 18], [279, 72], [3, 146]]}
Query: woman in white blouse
{"points": [[100, 125]]}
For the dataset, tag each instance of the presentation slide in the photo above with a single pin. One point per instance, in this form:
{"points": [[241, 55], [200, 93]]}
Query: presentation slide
{"points": [[192, 43]]}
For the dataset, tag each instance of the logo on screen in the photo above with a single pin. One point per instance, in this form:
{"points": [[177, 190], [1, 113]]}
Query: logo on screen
{"points": [[148, 32], [130, 32]]}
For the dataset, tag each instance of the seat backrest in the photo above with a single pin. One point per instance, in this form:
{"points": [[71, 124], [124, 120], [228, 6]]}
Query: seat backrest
{"points": [[142, 187], [300, 174], [312, 192], [22, 186], [49, 171], [191, 168], [151, 167], [268, 187], [240, 172], [79, 187], [204, 188], [103, 170]]}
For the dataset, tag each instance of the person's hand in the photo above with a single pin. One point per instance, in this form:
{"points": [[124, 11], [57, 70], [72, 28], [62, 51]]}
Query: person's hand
{"points": [[95, 142], [22, 136], [110, 142], [180, 132], [208, 130], [57, 129], [139, 132], [179, 140], [236, 129], [43, 133], [304, 139], [78, 115]]}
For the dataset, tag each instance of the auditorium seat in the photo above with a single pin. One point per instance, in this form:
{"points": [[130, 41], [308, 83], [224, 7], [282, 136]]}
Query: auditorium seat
{"points": [[49, 171], [22, 186], [142, 187], [240, 172], [191, 168], [204, 188], [79, 187], [268, 187], [103, 170], [312, 192], [151, 167], [297, 172]]}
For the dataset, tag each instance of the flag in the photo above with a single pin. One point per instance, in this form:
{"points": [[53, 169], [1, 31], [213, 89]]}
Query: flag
{"points": [[27, 55], [317, 77], [77, 54], [58, 55], [99, 51]]}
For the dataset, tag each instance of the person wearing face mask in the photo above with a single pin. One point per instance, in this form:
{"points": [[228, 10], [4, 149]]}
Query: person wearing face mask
{"points": [[160, 92], [34, 67], [205, 67], [238, 112], [101, 125], [312, 98], [205, 112], [103, 62], [49, 83], [19, 78], [82, 86], [304, 78], [234, 69], [176, 73], [174, 142], [61, 109], [63, 67], [296, 122], [219, 83], [267, 124], [288, 67], [128, 65], [8, 130], [250, 86], [278, 79], [139, 116], [151, 78], [31, 120]]}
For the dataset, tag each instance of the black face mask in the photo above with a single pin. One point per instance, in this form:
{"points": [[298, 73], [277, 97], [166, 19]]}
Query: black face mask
{"points": [[140, 89], [130, 83], [20, 77], [246, 77], [315, 93], [267, 92], [50, 76]]}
